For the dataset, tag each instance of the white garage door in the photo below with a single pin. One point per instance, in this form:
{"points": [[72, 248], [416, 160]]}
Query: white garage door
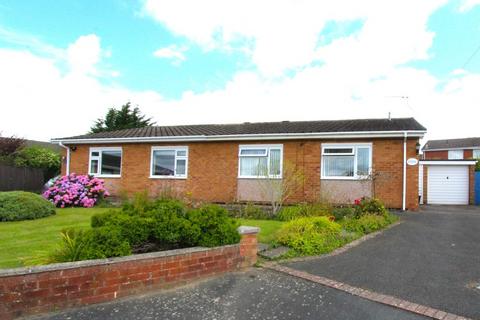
{"points": [[447, 185]]}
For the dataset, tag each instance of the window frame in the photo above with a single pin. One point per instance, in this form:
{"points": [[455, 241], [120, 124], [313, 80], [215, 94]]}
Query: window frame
{"points": [[473, 153], [458, 151], [175, 149], [99, 158], [268, 147], [354, 146]]}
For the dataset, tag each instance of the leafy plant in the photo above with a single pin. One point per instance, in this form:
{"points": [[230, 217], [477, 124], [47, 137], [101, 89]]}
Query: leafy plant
{"points": [[303, 210], [38, 157], [367, 223], [342, 212], [310, 236], [20, 205], [251, 211], [125, 118], [369, 206], [76, 191], [216, 227]]}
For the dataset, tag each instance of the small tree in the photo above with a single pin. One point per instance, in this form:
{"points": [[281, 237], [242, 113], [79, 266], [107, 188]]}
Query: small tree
{"points": [[9, 146], [125, 118], [38, 157], [277, 190]]}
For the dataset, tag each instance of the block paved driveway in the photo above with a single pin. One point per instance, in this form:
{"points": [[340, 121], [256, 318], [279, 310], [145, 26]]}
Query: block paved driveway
{"points": [[432, 258], [254, 294]]}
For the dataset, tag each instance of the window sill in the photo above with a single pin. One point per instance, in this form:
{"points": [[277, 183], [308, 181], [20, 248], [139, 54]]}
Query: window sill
{"points": [[106, 176], [168, 177], [346, 178], [260, 178]]}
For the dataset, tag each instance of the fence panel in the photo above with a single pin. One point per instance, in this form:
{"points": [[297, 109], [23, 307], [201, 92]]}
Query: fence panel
{"points": [[19, 178]]}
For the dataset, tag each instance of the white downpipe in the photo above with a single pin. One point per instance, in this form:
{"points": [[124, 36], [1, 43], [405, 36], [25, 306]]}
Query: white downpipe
{"points": [[404, 193], [67, 168]]}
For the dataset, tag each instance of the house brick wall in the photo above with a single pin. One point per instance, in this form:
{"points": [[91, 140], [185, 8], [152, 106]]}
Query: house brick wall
{"points": [[436, 155], [53, 287], [213, 170]]}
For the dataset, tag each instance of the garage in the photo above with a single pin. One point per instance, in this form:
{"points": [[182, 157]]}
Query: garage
{"points": [[447, 182]]}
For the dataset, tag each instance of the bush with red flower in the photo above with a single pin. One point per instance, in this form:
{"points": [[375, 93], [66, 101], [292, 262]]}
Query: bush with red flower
{"points": [[76, 191]]}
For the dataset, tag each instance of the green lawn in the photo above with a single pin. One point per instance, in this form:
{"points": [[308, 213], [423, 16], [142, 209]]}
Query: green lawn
{"points": [[30, 242], [267, 228], [26, 243]]}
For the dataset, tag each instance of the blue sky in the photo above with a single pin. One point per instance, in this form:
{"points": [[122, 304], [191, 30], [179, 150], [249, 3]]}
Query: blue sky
{"points": [[219, 61]]}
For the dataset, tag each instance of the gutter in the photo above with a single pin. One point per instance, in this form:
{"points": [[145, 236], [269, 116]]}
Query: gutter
{"points": [[67, 168], [247, 137]]}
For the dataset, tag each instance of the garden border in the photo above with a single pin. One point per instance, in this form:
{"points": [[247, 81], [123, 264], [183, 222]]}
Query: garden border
{"points": [[25, 291]]}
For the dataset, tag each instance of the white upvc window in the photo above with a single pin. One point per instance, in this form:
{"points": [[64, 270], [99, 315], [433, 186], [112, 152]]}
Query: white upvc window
{"points": [[169, 162], [260, 161], [346, 161], [105, 162], [455, 154], [476, 153]]}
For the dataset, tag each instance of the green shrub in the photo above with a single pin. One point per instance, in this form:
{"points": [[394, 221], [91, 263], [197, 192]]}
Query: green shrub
{"points": [[370, 206], [134, 229], [20, 205], [367, 223], [216, 227], [288, 213], [311, 236], [96, 243], [39, 157], [251, 211], [340, 213]]}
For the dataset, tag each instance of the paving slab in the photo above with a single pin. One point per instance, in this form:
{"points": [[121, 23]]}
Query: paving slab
{"points": [[432, 258], [255, 294]]}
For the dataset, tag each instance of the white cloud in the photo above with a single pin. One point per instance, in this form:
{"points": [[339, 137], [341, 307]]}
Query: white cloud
{"points": [[172, 52], [41, 100], [284, 33], [467, 5], [361, 75]]}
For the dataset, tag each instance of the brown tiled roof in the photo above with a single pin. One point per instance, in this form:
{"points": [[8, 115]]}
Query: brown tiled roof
{"points": [[452, 143], [247, 128]]}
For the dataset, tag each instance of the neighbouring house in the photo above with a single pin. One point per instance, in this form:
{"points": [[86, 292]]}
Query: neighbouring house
{"points": [[447, 171], [341, 160], [452, 149]]}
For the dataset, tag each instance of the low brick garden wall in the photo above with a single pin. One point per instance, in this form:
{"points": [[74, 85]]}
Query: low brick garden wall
{"points": [[25, 291]]}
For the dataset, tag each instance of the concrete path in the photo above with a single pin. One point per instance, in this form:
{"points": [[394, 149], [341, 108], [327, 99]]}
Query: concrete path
{"points": [[432, 258], [255, 294]]}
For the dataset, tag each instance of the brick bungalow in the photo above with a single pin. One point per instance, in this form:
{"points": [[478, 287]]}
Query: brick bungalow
{"points": [[340, 159]]}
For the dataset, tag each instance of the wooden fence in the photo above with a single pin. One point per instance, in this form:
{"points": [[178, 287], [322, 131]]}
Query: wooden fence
{"points": [[19, 178]]}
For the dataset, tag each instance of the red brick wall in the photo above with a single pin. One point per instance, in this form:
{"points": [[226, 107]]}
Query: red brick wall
{"points": [[50, 288], [436, 155], [213, 170], [443, 154]]}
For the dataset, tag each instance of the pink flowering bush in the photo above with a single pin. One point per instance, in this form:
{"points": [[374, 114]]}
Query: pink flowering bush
{"points": [[76, 191]]}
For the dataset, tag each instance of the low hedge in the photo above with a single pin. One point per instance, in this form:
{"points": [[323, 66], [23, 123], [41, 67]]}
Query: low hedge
{"points": [[311, 236], [20, 205], [145, 226]]}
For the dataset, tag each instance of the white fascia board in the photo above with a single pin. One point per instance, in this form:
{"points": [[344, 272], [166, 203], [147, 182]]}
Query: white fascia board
{"points": [[249, 137], [448, 163]]}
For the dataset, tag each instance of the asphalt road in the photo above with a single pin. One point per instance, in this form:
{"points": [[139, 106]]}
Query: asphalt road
{"points": [[255, 294], [432, 258]]}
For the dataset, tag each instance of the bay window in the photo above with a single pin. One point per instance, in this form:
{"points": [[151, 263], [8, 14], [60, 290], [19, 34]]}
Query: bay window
{"points": [[169, 162], [105, 162], [346, 161], [260, 161]]}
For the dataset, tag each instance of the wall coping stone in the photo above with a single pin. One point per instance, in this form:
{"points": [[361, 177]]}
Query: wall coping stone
{"points": [[107, 261], [248, 230]]}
